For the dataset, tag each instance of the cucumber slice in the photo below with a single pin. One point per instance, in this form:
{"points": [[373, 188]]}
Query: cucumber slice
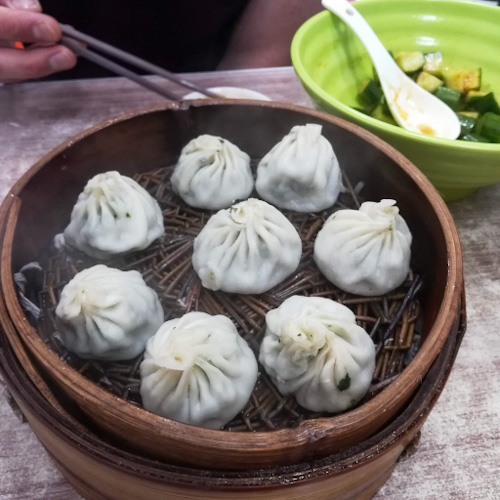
{"points": [[449, 96], [385, 106], [474, 95], [380, 114], [464, 80], [370, 93], [466, 124], [488, 126], [474, 138], [470, 114], [409, 62], [433, 64], [484, 103], [429, 82]]}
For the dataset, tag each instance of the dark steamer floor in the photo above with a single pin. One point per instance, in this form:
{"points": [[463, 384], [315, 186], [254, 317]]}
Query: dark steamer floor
{"points": [[393, 321]]}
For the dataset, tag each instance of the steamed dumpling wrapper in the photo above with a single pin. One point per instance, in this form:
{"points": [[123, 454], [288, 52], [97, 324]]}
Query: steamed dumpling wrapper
{"points": [[248, 248], [365, 251], [198, 370], [107, 314], [212, 173], [314, 349], [301, 172], [113, 215]]}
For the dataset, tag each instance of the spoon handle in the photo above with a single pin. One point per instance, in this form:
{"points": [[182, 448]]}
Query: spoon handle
{"points": [[382, 60]]}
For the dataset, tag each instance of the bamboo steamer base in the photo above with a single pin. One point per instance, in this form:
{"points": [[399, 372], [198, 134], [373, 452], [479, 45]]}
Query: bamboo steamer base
{"points": [[31, 221], [98, 470], [317, 491]]}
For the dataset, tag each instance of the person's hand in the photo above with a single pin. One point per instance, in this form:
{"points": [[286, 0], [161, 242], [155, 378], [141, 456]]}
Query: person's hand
{"points": [[22, 21]]}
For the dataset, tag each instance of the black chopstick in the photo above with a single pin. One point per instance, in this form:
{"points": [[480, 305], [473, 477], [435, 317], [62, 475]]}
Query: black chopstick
{"points": [[72, 37], [115, 68]]}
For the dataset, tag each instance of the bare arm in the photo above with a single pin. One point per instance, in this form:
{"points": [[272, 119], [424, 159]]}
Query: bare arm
{"points": [[264, 32], [21, 20]]}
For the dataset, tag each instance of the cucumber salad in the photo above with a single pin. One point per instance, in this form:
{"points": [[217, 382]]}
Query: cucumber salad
{"points": [[477, 110]]}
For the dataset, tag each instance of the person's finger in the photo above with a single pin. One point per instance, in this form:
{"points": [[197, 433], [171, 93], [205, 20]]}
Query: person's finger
{"points": [[33, 5], [28, 26], [18, 65], [7, 43]]}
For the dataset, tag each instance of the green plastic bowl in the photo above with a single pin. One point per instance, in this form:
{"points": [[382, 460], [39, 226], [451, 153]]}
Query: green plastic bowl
{"points": [[331, 63]]}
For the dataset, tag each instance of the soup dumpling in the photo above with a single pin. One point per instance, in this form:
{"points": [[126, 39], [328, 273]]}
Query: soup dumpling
{"points": [[107, 314], [314, 349], [113, 215], [248, 248], [365, 251], [301, 172], [212, 173], [198, 370]]}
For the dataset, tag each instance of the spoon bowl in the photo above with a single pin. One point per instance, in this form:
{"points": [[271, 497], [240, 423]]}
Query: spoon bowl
{"points": [[412, 107]]}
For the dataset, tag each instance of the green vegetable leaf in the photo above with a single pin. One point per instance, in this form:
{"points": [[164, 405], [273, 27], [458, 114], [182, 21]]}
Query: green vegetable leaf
{"points": [[345, 383]]}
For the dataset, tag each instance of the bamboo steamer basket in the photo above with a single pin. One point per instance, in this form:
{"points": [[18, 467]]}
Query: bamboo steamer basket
{"points": [[101, 471], [39, 206]]}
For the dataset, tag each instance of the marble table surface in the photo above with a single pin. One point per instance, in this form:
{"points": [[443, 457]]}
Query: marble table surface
{"points": [[459, 452]]}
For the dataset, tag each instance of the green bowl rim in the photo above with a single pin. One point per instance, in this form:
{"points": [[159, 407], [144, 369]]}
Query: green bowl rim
{"points": [[368, 120]]}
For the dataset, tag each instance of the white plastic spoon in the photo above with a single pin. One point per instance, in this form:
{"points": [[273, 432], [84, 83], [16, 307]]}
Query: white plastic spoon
{"points": [[412, 107]]}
